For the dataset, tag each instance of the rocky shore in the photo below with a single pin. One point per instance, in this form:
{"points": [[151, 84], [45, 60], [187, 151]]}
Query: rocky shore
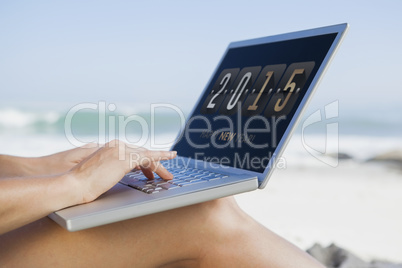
{"points": [[392, 158], [334, 256]]}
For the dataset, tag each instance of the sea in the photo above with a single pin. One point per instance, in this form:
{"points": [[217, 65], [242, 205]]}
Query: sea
{"points": [[31, 129]]}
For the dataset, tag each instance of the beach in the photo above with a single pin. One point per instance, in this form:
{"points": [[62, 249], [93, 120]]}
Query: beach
{"points": [[355, 203]]}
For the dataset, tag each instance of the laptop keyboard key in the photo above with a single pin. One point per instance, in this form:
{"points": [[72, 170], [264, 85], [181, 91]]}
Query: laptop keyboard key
{"points": [[169, 186], [182, 177]]}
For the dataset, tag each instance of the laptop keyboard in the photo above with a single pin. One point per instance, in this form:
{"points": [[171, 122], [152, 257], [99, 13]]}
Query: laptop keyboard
{"points": [[182, 177]]}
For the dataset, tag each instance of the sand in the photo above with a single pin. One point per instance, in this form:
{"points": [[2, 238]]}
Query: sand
{"points": [[356, 205]]}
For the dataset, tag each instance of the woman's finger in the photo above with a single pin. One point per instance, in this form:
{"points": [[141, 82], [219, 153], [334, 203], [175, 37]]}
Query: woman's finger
{"points": [[147, 172], [162, 172]]}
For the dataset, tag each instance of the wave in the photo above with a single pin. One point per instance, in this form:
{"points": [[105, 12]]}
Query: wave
{"points": [[85, 122], [13, 118]]}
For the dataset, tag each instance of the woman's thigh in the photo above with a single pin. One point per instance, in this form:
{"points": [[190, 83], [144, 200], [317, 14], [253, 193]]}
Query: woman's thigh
{"points": [[211, 234], [148, 241]]}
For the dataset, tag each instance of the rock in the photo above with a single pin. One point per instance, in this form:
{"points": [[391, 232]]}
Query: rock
{"points": [[340, 156], [392, 157], [336, 257]]}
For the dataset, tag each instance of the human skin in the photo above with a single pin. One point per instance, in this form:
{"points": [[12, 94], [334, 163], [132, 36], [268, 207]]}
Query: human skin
{"points": [[211, 234], [32, 188]]}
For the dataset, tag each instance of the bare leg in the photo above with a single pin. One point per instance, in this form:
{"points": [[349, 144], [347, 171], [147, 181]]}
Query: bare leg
{"points": [[211, 234]]}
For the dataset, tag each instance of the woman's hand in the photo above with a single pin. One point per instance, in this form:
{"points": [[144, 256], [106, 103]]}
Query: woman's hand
{"points": [[69, 178], [64, 161], [101, 170], [15, 166]]}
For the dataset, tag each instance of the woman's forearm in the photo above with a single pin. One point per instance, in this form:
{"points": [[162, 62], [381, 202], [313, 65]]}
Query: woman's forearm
{"points": [[26, 196], [27, 199], [14, 166]]}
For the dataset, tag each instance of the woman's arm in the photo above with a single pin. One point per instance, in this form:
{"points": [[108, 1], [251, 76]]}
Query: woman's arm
{"points": [[15, 166], [26, 199]]}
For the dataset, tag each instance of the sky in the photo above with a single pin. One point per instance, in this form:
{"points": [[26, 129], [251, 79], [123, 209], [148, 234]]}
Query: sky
{"points": [[165, 51]]}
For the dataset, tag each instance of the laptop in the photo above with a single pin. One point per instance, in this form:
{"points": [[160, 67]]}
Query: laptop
{"points": [[236, 133]]}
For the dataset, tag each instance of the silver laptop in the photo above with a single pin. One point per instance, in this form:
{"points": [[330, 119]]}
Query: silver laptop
{"points": [[236, 133]]}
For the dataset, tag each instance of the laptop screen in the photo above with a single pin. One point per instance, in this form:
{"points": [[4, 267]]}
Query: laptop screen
{"points": [[250, 101]]}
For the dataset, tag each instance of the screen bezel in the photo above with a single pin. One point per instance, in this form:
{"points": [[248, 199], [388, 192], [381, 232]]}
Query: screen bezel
{"points": [[340, 31]]}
